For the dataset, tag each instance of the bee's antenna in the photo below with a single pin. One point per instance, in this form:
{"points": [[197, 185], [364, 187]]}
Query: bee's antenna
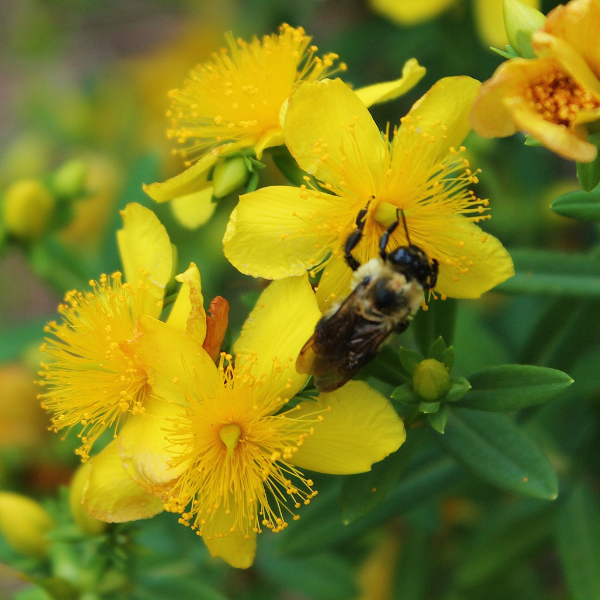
{"points": [[401, 210]]}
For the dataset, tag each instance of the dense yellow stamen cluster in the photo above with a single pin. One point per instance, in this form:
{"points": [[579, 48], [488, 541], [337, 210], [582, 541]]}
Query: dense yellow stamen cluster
{"points": [[558, 98], [238, 450], [92, 378], [238, 95], [431, 194]]}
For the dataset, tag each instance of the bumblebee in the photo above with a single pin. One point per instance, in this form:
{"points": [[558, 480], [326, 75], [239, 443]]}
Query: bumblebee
{"points": [[387, 291]]}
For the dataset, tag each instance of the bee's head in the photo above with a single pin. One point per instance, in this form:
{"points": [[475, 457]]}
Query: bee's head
{"points": [[412, 262]]}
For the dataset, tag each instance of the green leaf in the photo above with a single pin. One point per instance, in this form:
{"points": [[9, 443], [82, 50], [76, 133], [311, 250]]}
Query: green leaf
{"points": [[589, 173], [55, 587], [458, 388], [578, 205], [511, 387], [448, 356], [286, 163], [405, 394], [321, 525], [494, 448], [438, 320], [531, 141], [439, 419], [544, 272], [437, 348], [508, 535], [361, 493], [410, 359], [322, 576], [386, 367], [578, 533], [429, 407]]}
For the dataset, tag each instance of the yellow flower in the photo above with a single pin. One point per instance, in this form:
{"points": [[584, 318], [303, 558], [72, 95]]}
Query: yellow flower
{"points": [[555, 96], [229, 461], [92, 378], [276, 232], [235, 102], [488, 14]]}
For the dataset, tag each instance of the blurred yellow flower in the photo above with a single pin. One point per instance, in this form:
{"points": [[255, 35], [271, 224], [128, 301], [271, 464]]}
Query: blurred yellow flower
{"points": [[93, 379], [555, 96], [236, 449], [276, 232], [488, 14], [237, 101]]}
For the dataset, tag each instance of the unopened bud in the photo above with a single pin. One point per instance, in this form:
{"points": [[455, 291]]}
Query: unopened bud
{"points": [[27, 209], [520, 21], [69, 179], [229, 175], [24, 524], [85, 522], [431, 380]]}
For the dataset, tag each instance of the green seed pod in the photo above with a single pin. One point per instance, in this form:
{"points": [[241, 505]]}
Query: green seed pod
{"points": [[431, 380], [229, 175], [27, 209], [24, 524]]}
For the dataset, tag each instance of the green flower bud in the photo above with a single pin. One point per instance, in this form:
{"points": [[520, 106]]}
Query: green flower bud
{"points": [[520, 21], [229, 175], [69, 179], [27, 209], [431, 380], [24, 524], [85, 522]]}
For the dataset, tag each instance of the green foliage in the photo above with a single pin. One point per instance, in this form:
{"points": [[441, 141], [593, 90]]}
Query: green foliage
{"points": [[579, 205], [589, 173], [494, 448]]}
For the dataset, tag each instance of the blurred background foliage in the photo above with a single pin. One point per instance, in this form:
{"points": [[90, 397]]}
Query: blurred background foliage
{"points": [[84, 82]]}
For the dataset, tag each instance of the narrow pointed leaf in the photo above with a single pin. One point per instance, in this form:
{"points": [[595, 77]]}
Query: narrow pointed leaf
{"points": [[511, 387], [578, 205], [494, 448], [589, 173]]}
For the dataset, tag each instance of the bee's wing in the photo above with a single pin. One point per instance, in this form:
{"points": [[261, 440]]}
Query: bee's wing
{"points": [[342, 343], [332, 373]]}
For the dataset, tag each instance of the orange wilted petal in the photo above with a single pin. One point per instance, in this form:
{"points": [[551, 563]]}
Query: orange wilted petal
{"points": [[216, 326]]}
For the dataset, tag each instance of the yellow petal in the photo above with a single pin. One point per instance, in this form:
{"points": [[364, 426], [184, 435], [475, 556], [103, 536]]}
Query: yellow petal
{"points": [[195, 209], [273, 137], [558, 138], [281, 323], [441, 115], [578, 23], [145, 453], [362, 428], [188, 311], [412, 73], [410, 12], [549, 46], [491, 115], [334, 284], [146, 255], [490, 21], [111, 495], [174, 361], [492, 264], [193, 179], [332, 135], [237, 549], [276, 231]]}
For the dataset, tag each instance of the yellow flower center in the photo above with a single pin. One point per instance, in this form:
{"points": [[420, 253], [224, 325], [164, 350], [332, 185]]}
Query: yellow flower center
{"points": [[238, 450], [558, 98], [93, 379], [239, 93]]}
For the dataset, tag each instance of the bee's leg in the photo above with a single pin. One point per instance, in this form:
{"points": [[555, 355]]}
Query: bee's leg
{"points": [[402, 326], [385, 238], [435, 267], [355, 237]]}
